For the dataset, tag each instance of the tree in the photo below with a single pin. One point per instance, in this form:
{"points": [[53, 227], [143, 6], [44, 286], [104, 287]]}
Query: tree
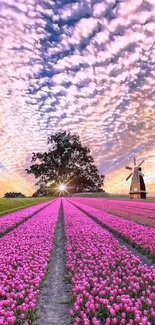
{"points": [[38, 193], [67, 161], [44, 191], [14, 195]]}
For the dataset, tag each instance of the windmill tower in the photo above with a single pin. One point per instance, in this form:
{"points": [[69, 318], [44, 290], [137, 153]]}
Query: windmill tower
{"points": [[137, 188]]}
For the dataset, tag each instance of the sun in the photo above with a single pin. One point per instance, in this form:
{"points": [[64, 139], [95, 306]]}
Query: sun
{"points": [[62, 188]]}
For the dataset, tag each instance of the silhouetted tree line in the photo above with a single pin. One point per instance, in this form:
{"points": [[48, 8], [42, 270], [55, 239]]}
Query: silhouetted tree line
{"points": [[14, 195]]}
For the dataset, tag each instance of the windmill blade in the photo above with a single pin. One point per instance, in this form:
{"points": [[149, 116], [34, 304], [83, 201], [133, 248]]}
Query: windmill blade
{"points": [[127, 167], [141, 174], [134, 161], [129, 176], [141, 162]]}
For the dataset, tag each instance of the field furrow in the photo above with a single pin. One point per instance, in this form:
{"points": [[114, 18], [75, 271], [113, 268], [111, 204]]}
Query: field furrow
{"points": [[53, 304], [109, 284]]}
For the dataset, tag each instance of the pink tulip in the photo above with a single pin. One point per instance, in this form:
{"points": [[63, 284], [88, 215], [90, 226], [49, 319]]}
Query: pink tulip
{"points": [[25, 255], [111, 280], [135, 233], [10, 220]]}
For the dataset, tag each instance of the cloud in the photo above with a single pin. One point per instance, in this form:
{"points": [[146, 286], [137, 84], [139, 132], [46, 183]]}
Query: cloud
{"points": [[86, 66]]}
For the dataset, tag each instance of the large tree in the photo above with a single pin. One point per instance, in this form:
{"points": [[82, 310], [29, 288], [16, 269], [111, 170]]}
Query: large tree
{"points": [[66, 161]]}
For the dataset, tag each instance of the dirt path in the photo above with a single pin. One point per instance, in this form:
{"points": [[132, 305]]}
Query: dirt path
{"points": [[53, 307], [144, 259]]}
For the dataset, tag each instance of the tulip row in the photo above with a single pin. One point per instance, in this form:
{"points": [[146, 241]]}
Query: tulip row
{"points": [[11, 220], [25, 254], [109, 284], [136, 213], [140, 236], [134, 204]]}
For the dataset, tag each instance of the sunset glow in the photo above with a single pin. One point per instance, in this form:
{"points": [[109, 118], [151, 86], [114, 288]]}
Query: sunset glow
{"points": [[87, 67]]}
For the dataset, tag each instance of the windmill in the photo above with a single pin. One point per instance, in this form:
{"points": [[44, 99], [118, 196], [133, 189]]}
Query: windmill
{"points": [[137, 188]]}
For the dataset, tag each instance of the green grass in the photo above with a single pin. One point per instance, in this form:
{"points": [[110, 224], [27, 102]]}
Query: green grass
{"points": [[12, 205]]}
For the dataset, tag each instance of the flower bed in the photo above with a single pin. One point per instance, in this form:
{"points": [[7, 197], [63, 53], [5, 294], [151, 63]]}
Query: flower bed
{"points": [[139, 235], [24, 257], [134, 204], [109, 284], [11, 220], [139, 213]]}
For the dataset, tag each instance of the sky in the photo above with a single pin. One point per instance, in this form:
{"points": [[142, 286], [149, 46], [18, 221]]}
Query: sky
{"points": [[84, 66]]}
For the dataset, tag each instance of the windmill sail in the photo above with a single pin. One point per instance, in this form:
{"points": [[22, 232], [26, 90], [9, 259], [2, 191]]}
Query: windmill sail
{"points": [[127, 167], [141, 162], [129, 176], [134, 161]]}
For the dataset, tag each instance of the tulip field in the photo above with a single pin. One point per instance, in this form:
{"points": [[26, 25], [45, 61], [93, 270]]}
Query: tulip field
{"points": [[24, 257], [108, 283], [13, 219], [141, 236], [139, 212]]}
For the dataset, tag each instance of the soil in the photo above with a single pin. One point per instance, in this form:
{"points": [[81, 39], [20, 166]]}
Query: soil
{"points": [[53, 305]]}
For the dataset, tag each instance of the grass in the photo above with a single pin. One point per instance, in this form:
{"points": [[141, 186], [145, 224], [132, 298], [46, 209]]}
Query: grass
{"points": [[127, 198], [106, 196], [12, 205]]}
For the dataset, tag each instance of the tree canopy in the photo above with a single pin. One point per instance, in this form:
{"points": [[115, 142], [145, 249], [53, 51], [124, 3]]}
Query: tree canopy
{"points": [[66, 161]]}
